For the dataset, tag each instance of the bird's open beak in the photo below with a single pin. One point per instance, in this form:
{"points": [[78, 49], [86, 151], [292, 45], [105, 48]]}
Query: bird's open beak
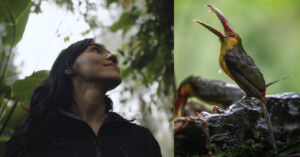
{"points": [[223, 20]]}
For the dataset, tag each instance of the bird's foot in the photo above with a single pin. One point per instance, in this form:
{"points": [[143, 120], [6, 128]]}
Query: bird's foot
{"points": [[243, 104], [217, 109], [252, 99], [198, 116]]}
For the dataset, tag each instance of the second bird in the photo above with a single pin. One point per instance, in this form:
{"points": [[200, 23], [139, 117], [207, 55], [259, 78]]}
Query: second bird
{"points": [[211, 92]]}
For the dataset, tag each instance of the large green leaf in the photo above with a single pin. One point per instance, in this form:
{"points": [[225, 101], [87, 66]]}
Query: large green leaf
{"points": [[22, 89], [16, 7], [20, 27]]}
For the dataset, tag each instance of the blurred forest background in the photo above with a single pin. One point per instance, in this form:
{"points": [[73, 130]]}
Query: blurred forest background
{"points": [[139, 32], [270, 32]]}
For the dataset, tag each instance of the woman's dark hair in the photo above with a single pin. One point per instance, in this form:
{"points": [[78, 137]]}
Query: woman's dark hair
{"points": [[55, 92]]}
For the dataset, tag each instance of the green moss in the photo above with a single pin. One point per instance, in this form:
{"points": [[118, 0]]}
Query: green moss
{"points": [[236, 152]]}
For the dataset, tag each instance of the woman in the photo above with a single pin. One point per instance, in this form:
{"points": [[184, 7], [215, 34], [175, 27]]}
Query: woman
{"points": [[70, 115]]}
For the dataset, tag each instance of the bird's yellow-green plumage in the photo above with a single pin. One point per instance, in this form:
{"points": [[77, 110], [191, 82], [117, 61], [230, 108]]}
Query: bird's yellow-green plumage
{"points": [[226, 44]]}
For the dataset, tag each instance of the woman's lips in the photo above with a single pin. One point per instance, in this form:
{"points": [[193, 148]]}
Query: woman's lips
{"points": [[113, 65]]}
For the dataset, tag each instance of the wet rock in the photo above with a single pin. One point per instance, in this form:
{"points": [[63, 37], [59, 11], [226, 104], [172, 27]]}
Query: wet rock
{"points": [[191, 138], [242, 131]]}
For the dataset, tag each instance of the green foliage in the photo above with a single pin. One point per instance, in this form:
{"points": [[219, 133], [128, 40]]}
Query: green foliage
{"points": [[20, 27], [147, 63], [19, 11], [126, 21], [14, 14], [13, 111], [65, 3], [22, 89], [109, 2], [147, 57], [6, 90], [17, 8], [66, 39], [12, 116]]}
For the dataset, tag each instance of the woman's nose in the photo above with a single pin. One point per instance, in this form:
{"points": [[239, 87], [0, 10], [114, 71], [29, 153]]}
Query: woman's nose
{"points": [[112, 57]]}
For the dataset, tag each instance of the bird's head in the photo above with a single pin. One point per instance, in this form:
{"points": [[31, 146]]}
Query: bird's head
{"points": [[230, 37], [184, 92]]}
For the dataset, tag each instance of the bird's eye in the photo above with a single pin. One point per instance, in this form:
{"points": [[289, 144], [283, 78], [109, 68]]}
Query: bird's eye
{"points": [[230, 33]]}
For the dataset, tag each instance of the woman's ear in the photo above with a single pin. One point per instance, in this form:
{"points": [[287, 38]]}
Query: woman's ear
{"points": [[68, 72]]}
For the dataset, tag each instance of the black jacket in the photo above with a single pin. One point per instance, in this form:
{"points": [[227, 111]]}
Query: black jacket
{"points": [[117, 137]]}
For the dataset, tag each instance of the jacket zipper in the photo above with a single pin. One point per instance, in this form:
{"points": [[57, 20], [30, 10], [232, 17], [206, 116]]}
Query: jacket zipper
{"points": [[97, 144]]}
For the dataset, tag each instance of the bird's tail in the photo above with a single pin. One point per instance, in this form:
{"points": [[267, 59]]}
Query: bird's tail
{"points": [[263, 103], [271, 83]]}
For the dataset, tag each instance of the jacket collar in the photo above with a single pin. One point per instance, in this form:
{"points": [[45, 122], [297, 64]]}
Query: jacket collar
{"points": [[112, 117]]}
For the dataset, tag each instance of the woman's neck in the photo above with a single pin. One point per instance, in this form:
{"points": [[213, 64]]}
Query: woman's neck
{"points": [[90, 103]]}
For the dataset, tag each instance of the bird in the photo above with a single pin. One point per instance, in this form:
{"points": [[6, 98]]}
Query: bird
{"points": [[239, 66], [213, 92]]}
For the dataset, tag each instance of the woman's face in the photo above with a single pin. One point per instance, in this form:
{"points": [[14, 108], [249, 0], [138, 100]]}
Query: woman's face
{"points": [[96, 63]]}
